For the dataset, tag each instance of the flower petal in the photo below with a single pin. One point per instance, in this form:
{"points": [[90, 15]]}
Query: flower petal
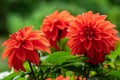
{"points": [[44, 41], [18, 64], [87, 44], [40, 46], [10, 58], [97, 37], [11, 43], [32, 56], [90, 53], [6, 52], [27, 45], [20, 54], [106, 35], [82, 38]]}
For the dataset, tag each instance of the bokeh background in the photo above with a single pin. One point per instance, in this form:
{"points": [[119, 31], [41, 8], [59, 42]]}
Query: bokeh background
{"points": [[15, 14]]}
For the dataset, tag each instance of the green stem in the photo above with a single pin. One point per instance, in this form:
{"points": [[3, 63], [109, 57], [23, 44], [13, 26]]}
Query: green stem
{"points": [[32, 70], [48, 71]]}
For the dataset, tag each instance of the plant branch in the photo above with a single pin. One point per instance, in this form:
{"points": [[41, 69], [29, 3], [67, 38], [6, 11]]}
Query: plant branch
{"points": [[32, 70]]}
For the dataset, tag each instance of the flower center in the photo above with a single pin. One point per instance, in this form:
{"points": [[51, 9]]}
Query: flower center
{"points": [[57, 23], [89, 32]]}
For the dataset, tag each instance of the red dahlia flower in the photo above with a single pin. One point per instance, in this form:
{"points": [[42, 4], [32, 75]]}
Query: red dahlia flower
{"points": [[62, 78], [48, 79], [91, 35], [55, 26], [22, 46]]}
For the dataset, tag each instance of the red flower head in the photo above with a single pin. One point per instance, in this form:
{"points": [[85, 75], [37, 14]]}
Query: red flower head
{"points": [[48, 79], [55, 26], [62, 78], [22, 46], [90, 35]]}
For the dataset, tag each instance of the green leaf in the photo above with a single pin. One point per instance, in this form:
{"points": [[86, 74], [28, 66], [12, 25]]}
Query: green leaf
{"points": [[112, 64], [12, 76], [26, 66], [21, 78], [59, 58], [63, 45], [116, 52], [115, 73]]}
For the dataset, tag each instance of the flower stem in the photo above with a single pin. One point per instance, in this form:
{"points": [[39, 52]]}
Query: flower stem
{"points": [[32, 70]]}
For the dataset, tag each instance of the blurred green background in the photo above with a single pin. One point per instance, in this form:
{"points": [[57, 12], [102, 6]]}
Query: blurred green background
{"points": [[16, 14]]}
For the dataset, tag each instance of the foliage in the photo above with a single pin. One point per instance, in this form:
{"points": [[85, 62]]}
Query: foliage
{"points": [[62, 62]]}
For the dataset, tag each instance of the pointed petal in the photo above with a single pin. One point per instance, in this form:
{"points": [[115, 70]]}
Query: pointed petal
{"points": [[20, 54], [6, 52], [90, 54], [10, 58], [97, 46], [28, 45], [87, 44], [11, 43], [100, 57], [82, 38], [54, 44], [106, 35], [18, 64], [32, 56], [97, 37], [53, 34], [40, 46], [44, 41], [35, 34]]}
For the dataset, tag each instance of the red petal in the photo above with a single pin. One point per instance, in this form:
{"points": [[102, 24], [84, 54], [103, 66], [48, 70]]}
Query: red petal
{"points": [[106, 35], [97, 46], [54, 44], [40, 46], [32, 56], [28, 45], [77, 49], [88, 17], [100, 17], [87, 44], [10, 58], [6, 52], [18, 64], [100, 56], [35, 35], [53, 34], [90, 53], [11, 43], [27, 31], [44, 41], [20, 54], [83, 38], [97, 37]]}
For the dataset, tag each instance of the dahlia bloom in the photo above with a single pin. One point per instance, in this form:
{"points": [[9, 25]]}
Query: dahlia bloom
{"points": [[48, 79], [55, 26], [22, 46], [62, 78], [92, 36]]}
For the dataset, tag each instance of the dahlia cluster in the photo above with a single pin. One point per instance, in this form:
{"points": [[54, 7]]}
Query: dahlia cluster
{"points": [[88, 34]]}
